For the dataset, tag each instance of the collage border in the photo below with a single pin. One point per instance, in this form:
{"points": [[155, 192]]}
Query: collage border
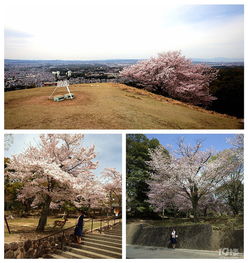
{"points": [[124, 132]]}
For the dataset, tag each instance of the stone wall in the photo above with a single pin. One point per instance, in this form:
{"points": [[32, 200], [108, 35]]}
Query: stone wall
{"points": [[198, 236], [37, 248], [228, 239], [41, 248]]}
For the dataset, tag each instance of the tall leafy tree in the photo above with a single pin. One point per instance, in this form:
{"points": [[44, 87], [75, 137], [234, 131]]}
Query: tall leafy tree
{"points": [[138, 146]]}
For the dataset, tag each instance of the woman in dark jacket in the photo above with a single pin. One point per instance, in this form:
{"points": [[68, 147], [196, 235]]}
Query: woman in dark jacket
{"points": [[173, 238], [78, 232]]}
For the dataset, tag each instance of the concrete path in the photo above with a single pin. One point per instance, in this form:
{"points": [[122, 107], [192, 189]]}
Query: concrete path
{"points": [[134, 251]]}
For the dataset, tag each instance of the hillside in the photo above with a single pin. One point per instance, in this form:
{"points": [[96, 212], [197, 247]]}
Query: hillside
{"points": [[107, 106]]}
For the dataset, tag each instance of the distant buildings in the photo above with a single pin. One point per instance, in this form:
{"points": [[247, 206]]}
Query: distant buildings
{"points": [[36, 74]]}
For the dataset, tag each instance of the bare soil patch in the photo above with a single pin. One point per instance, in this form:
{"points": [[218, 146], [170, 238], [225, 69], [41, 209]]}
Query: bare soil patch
{"points": [[107, 106]]}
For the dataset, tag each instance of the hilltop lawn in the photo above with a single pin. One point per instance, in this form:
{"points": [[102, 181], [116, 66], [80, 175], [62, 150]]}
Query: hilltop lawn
{"points": [[107, 106]]}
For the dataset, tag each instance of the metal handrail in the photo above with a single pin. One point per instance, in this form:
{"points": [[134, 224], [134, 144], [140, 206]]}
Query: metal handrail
{"points": [[91, 228], [102, 220]]}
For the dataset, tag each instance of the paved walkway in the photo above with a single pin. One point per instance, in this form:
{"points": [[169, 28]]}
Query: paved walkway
{"points": [[134, 251]]}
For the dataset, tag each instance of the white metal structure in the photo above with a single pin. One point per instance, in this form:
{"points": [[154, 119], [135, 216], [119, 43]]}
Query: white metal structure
{"points": [[62, 83]]}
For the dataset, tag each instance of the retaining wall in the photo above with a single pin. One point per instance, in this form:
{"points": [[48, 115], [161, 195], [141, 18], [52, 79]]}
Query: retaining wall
{"points": [[198, 236], [37, 248]]}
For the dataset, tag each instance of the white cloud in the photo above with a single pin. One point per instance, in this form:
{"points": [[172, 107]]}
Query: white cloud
{"points": [[111, 29]]}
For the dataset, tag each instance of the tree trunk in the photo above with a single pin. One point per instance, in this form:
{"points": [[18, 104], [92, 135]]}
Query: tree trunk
{"points": [[205, 211], [194, 201], [7, 224], [195, 207], [44, 214]]}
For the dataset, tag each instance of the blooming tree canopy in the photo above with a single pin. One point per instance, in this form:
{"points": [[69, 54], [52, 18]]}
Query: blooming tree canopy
{"points": [[188, 176], [232, 189], [112, 184], [171, 74], [57, 170]]}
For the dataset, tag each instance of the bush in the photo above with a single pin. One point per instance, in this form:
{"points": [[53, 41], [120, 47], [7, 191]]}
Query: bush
{"points": [[228, 88]]}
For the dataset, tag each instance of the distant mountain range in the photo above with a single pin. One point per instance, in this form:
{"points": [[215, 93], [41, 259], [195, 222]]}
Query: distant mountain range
{"points": [[121, 61], [218, 60], [105, 61]]}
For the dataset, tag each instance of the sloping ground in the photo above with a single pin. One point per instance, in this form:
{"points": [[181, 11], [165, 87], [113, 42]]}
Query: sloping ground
{"points": [[107, 106], [102, 246]]}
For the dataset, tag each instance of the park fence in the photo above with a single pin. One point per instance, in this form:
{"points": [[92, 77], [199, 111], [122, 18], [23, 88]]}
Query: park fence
{"points": [[41, 247]]}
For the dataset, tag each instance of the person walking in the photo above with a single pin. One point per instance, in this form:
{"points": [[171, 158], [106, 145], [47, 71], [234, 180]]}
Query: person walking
{"points": [[78, 232], [173, 238]]}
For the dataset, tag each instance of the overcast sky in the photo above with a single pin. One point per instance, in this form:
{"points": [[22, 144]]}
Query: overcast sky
{"points": [[94, 29], [108, 148]]}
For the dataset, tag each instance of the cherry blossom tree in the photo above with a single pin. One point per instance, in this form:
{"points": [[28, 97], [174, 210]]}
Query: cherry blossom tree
{"points": [[212, 203], [92, 196], [58, 169], [171, 74], [187, 176], [232, 189], [237, 143], [111, 180]]}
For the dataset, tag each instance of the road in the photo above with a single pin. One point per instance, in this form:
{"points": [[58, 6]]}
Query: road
{"points": [[134, 251]]}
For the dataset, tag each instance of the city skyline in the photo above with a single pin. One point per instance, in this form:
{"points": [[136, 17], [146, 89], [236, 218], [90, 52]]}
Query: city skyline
{"points": [[94, 31]]}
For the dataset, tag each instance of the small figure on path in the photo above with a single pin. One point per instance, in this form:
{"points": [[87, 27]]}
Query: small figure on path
{"points": [[173, 238], [78, 232]]}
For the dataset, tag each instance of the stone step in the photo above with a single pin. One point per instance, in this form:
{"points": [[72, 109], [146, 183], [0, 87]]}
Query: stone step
{"points": [[102, 251], [57, 256], [107, 245], [105, 237], [113, 229], [86, 253], [115, 241], [119, 236], [114, 233], [104, 242], [70, 254], [98, 245]]}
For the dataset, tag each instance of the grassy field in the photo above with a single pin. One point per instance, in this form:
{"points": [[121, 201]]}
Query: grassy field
{"points": [[107, 106], [24, 228]]}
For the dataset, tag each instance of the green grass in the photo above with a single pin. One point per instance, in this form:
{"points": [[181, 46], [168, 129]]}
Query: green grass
{"points": [[107, 106], [24, 228]]}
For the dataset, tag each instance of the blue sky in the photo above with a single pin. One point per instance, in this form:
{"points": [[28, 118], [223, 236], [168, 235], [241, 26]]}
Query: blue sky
{"points": [[215, 141], [108, 148], [94, 29], [210, 13]]}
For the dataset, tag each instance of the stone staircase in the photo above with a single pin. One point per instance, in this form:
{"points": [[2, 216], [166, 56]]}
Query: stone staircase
{"points": [[106, 245]]}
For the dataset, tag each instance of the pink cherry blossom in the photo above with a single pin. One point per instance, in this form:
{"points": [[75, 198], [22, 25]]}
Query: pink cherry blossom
{"points": [[189, 176], [171, 74]]}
